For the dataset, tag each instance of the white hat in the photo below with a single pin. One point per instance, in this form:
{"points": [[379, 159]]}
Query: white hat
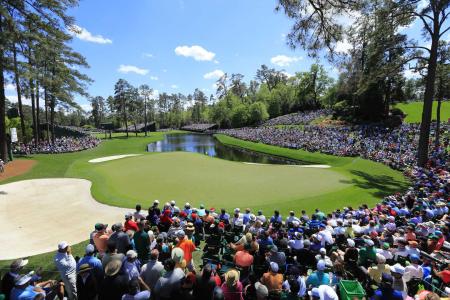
{"points": [[322, 251], [187, 204], [274, 267], [90, 249], [321, 265], [261, 290], [380, 258], [351, 243], [156, 202], [131, 254], [63, 245], [172, 202], [398, 268], [237, 209], [369, 242], [314, 292]]}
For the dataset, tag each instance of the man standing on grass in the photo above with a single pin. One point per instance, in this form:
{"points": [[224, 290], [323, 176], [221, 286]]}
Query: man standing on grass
{"points": [[2, 166], [66, 265]]}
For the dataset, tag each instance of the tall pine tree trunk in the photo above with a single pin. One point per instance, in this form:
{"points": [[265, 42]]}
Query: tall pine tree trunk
{"points": [[46, 114], [19, 93], [145, 116], [33, 110], [438, 121], [52, 117], [424, 138], [38, 129], [3, 141]]}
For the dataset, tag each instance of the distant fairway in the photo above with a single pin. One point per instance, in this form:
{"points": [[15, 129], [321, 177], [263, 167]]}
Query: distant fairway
{"points": [[196, 178], [413, 111]]}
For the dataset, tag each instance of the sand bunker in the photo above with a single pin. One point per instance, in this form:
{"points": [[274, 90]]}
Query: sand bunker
{"points": [[113, 157], [37, 214]]}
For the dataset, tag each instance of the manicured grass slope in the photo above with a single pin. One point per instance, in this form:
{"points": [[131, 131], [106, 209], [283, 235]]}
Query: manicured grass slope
{"points": [[413, 111], [196, 178]]}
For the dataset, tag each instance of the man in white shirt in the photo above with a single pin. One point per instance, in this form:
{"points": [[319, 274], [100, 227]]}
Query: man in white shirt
{"points": [[385, 251], [324, 236], [323, 292], [152, 270], [66, 265], [261, 217], [292, 218]]}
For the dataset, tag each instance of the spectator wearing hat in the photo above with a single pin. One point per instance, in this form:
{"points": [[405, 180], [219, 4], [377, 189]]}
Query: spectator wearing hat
{"points": [[175, 209], [188, 248], [232, 288], [131, 265], [115, 283], [324, 236], [152, 270], [323, 292], [101, 238], [87, 284], [261, 217], [272, 279], [24, 290], [93, 262], [142, 243], [66, 265], [381, 267], [351, 252], [385, 251], [129, 223], [398, 282], [204, 284], [111, 254], [318, 277], [8, 280], [187, 208], [276, 256], [323, 256], [368, 253]]}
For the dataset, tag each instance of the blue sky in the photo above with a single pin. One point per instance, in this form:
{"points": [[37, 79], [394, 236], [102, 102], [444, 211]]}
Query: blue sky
{"points": [[180, 45]]}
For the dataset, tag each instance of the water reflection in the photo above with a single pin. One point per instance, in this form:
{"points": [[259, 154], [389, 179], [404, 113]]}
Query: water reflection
{"points": [[208, 145]]}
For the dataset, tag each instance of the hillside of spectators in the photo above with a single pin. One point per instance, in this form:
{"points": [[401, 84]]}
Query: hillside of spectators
{"points": [[398, 249], [299, 118], [61, 145]]}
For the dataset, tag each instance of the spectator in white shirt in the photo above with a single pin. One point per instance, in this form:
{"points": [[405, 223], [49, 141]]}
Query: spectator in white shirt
{"points": [[66, 265]]}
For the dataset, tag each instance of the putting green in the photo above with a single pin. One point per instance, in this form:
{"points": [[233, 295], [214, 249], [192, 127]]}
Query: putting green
{"points": [[196, 178]]}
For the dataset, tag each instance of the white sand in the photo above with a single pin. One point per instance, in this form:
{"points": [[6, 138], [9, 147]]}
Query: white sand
{"points": [[35, 215], [297, 166], [113, 157]]}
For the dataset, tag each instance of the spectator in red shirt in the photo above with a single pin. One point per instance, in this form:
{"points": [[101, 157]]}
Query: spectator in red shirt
{"points": [[242, 258], [129, 223]]}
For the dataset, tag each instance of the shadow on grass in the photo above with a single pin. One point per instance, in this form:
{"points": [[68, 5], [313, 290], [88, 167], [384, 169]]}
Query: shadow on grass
{"points": [[383, 185]]}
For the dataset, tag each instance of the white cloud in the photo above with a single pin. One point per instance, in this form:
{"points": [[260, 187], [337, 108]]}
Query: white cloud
{"points": [[343, 46], [149, 55], [154, 78], [214, 86], [85, 35], [284, 60], [197, 52], [410, 73], [13, 99], [216, 62], [86, 107], [164, 70], [289, 75], [132, 69], [155, 94], [10, 87], [216, 74], [174, 86]]}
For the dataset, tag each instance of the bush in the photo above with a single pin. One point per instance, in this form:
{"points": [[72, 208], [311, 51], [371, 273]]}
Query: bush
{"points": [[258, 113]]}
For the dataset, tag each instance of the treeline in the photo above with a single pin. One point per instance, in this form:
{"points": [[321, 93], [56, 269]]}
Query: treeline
{"points": [[236, 103], [35, 57]]}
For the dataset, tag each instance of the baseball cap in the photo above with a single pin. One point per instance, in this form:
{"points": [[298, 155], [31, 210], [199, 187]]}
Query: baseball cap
{"points": [[131, 254], [90, 249], [321, 265], [128, 215], [274, 267], [172, 202], [100, 226], [156, 202], [63, 245], [351, 243], [23, 279], [322, 251]]}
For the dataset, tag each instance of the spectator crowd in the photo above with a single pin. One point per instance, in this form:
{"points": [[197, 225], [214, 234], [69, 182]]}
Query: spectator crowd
{"points": [[61, 145], [397, 249], [299, 118]]}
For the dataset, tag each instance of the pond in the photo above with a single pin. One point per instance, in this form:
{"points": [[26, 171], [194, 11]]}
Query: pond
{"points": [[209, 145]]}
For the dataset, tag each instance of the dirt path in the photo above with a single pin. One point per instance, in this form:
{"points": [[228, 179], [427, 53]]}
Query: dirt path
{"points": [[17, 167]]}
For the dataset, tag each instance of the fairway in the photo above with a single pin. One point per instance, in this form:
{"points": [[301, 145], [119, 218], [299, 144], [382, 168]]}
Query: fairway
{"points": [[413, 111], [196, 178]]}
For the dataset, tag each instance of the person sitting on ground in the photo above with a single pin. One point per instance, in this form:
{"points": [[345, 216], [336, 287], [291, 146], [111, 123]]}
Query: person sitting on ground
{"points": [[8, 280]]}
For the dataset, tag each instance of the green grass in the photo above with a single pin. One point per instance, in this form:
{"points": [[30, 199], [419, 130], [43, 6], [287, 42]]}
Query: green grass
{"points": [[214, 182], [413, 111]]}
